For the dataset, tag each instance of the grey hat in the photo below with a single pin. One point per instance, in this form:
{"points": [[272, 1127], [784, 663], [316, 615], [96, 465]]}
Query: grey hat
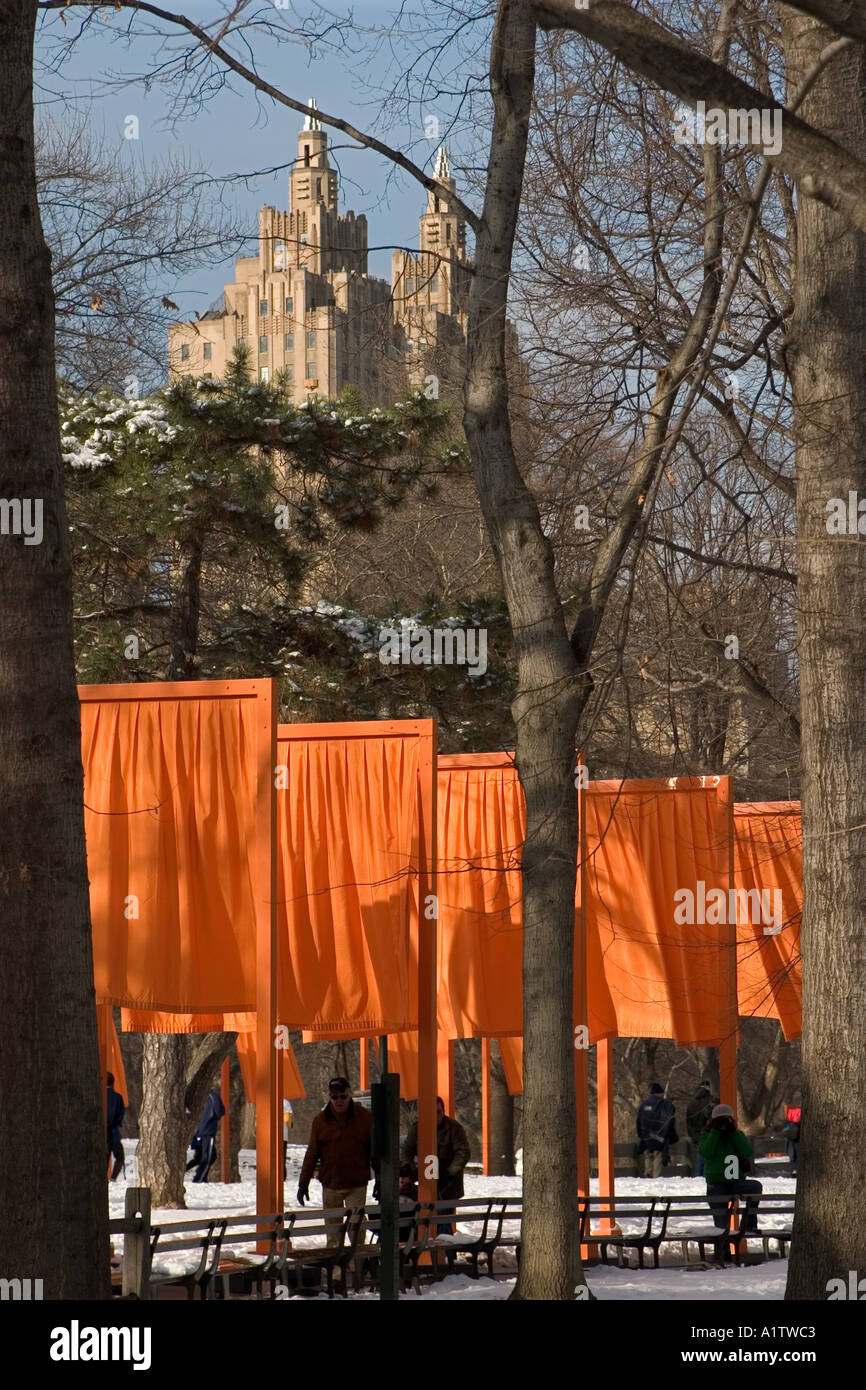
{"points": [[720, 1110]]}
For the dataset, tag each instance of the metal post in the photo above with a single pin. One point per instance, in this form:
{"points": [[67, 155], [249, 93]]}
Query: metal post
{"points": [[385, 1107], [485, 1106]]}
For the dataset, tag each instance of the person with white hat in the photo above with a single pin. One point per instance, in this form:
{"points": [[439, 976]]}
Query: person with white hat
{"points": [[728, 1157]]}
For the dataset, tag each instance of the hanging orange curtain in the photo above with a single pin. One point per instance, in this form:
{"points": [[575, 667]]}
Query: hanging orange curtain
{"points": [[348, 865], [289, 1077], [481, 829], [658, 854], [768, 859], [511, 1052], [109, 1046], [155, 1021], [481, 826], [169, 789]]}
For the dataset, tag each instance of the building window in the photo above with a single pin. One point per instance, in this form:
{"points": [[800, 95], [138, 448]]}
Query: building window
{"points": [[311, 371], [318, 188], [264, 308], [263, 374], [288, 341], [311, 338], [263, 343], [290, 373], [290, 306], [184, 352], [447, 231], [279, 254], [208, 376], [208, 351], [241, 343]]}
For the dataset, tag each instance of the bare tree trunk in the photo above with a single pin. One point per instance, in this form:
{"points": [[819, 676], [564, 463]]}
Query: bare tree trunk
{"points": [[501, 1117], [828, 350], [163, 1123], [53, 1207], [545, 709]]}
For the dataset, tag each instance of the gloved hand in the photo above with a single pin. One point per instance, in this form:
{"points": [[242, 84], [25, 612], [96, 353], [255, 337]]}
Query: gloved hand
{"points": [[376, 1190], [303, 1192]]}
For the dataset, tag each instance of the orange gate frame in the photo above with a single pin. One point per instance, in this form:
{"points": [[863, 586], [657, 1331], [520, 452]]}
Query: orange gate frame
{"points": [[423, 857], [263, 694]]}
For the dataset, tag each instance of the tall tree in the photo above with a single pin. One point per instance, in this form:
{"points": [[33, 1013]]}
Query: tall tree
{"points": [[828, 352], [53, 1201]]}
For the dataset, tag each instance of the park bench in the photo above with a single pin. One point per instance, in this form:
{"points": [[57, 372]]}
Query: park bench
{"points": [[650, 1213], [772, 1205], [209, 1243]]}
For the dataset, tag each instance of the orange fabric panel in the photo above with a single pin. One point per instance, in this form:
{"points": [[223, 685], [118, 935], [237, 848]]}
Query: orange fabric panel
{"points": [[768, 858], [511, 1051], [348, 861], [481, 825], [648, 843], [169, 789], [481, 828], [403, 1058], [155, 1021], [105, 1021], [292, 1086]]}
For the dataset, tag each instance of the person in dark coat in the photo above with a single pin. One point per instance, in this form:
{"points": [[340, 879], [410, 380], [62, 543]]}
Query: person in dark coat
{"points": [[114, 1113], [655, 1118], [698, 1112], [791, 1135], [205, 1135], [453, 1153]]}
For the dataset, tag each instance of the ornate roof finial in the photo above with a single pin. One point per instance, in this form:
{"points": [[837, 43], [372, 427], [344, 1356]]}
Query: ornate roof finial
{"points": [[312, 121], [442, 169]]}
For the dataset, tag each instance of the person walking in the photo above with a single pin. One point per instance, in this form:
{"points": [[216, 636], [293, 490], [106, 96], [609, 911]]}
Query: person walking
{"points": [[115, 1109], [205, 1135], [339, 1152], [791, 1135], [728, 1157], [698, 1112], [655, 1119], [452, 1155]]}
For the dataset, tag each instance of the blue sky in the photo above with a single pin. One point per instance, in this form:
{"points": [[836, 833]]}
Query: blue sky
{"points": [[237, 132]]}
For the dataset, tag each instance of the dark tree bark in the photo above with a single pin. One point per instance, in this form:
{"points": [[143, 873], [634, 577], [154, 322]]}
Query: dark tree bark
{"points": [[53, 1206], [828, 360], [164, 1127], [501, 1117]]}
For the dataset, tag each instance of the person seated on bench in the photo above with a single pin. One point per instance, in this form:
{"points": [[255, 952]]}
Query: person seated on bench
{"points": [[728, 1156]]}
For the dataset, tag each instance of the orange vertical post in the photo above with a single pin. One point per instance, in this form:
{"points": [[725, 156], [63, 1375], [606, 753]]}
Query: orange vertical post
{"points": [[485, 1105], [226, 1123], [364, 1063], [581, 1053], [428, 911], [604, 1126], [269, 1177], [445, 1070], [728, 974]]}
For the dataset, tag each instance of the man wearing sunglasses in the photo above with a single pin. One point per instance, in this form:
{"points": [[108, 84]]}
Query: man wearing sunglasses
{"points": [[339, 1153]]}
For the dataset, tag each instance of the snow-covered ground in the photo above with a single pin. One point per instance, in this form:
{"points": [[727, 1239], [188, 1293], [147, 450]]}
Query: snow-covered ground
{"points": [[671, 1282]]}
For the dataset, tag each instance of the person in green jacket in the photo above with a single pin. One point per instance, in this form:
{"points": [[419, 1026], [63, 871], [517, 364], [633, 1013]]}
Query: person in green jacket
{"points": [[728, 1156]]}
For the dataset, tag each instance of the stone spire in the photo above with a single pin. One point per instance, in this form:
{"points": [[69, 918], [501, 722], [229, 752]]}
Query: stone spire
{"points": [[442, 169], [312, 121]]}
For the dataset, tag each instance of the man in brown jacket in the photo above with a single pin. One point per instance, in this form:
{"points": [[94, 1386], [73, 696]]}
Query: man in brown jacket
{"points": [[452, 1153], [340, 1142]]}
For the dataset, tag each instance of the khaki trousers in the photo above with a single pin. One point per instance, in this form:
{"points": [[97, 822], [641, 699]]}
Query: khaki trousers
{"points": [[340, 1197], [652, 1163]]}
